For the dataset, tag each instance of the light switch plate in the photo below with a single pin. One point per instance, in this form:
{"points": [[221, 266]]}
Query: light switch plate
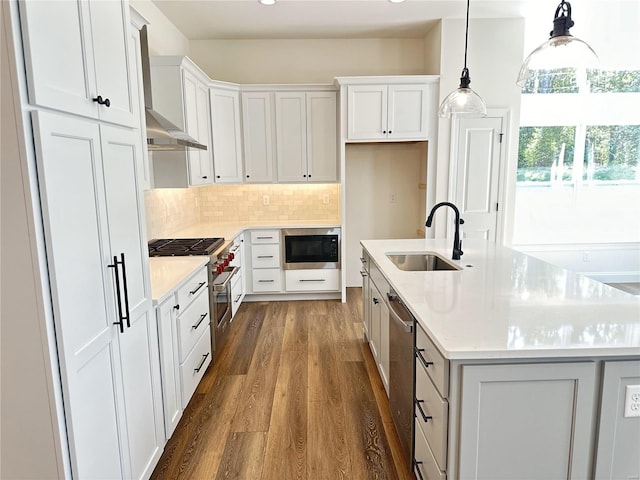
{"points": [[632, 401]]}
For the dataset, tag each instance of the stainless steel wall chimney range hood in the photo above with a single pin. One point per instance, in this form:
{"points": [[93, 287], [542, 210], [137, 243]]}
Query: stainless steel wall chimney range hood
{"points": [[162, 135]]}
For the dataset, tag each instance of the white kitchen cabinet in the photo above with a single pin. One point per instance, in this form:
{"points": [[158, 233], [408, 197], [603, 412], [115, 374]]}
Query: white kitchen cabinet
{"points": [[266, 269], [169, 365], [618, 434], [312, 280], [533, 419], [394, 112], [181, 94], [258, 132], [366, 296], [306, 136], [226, 135], [137, 91], [77, 53], [107, 341]]}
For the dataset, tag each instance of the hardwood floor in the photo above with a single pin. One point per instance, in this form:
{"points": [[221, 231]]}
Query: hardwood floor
{"points": [[294, 394]]}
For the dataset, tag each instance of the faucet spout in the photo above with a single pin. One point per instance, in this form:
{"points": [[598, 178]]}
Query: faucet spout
{"points": [[457, 244]]}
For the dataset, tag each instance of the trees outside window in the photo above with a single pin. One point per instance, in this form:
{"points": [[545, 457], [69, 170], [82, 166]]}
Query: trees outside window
{"points": [[578, 176]]}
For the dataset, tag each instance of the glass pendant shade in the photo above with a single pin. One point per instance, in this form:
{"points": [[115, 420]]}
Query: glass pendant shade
{"points": [[463, 102], [561, 51]]}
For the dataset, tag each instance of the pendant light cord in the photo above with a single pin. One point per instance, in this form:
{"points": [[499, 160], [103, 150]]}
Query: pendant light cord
{"points": [[466, 37]]}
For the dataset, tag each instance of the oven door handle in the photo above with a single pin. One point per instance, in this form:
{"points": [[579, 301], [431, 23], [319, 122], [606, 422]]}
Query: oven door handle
{"points": [[220, 287]]}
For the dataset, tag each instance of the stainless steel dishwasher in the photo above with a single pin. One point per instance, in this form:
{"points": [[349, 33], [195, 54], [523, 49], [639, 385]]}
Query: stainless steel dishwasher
{"points": [[401, 367]]}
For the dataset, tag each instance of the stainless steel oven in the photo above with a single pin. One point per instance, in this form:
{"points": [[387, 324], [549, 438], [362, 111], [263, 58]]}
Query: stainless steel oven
{"points": [[304, 248], [220, 298]]}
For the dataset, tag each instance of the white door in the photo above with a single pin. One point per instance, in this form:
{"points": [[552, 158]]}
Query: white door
{"points": [[475, 174], [139, 342], [322, 164], [84, 306], [257, 128], [291, 136], [225, 131]]}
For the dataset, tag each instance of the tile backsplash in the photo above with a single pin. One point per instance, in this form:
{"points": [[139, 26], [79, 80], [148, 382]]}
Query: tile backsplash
{"points": [[169, 210]]}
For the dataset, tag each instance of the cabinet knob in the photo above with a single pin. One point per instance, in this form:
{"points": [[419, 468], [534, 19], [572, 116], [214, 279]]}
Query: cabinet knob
{"points": [[247, 176], [384, 131], [390, 132], [176, 307], [304, 176], [217, 176], [205, 177], [106, 102], [309, 176]]}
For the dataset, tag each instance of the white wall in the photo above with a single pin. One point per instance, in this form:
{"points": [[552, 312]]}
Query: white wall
{"points": [[305, 60], [373, 174], [30, 435], [164, 37]]}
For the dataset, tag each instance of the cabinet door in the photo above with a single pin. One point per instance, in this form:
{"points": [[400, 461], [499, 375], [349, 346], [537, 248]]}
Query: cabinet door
{"points": [[376, 305], [139, 342], [291, 136], [225, 130], [407, 112], [170, 364], [366, 112], [618, 435], [527, 421], [322, 164], [75, 51], [71, 192], [196, 105], [257, 128], [110, 36], [366, 304]]}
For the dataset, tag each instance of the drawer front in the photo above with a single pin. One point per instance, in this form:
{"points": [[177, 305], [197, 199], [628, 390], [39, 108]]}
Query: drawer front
{"points": [[436, 366], [365, 260], [376, 277], [313, 280], [429, 404], [265, 256], [267, 280], [424, 465], [192, 288], [193, 368], [265, 236], [192, 322]]}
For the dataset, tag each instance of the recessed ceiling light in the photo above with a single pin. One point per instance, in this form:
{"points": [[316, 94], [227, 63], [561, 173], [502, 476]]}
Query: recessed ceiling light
{"points": [[267, 2], [396, 1]]}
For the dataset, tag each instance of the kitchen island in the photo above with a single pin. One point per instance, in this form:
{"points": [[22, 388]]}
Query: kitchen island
{"points": [[522, 367]]}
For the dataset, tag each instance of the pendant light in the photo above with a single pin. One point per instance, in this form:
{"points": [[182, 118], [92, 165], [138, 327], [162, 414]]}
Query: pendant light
{"points": [[463, 101], [562, 50]]}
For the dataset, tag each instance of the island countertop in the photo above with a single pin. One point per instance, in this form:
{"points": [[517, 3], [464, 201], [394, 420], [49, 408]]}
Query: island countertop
{"points": [[506, 304]]}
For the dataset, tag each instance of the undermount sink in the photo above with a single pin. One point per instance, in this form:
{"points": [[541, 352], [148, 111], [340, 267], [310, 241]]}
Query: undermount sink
{"points": [[421, 262]]}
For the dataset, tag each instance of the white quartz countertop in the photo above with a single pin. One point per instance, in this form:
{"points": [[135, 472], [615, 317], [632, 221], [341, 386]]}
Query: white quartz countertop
{"points": [[168, 273], [506, 304], [230, 230]]}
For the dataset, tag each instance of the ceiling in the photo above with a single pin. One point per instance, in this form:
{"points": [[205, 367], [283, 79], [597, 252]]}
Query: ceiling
{"points": [[247, 19]]}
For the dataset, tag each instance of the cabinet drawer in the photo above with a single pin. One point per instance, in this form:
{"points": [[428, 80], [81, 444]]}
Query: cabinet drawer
{"points": [[425, 466], [192, 322], [265, 236], [192, 288], [436, 366], [312, 280], [193, 368], [267, 280], [265, 256], [430, 404], [236, 293]]}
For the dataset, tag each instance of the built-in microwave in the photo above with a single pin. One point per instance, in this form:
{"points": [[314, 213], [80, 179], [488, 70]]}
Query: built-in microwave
{"points": [[304, 248]]}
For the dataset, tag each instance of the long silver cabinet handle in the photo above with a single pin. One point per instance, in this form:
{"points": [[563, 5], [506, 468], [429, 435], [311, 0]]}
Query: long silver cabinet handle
{"points": [[312, 280]]}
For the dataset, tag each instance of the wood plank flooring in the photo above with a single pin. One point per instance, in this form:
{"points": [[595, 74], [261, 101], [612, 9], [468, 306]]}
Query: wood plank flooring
{"points": [[293, 395]]}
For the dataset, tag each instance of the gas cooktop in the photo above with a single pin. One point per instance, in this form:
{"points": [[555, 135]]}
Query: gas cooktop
{"points": [[184, 246]]}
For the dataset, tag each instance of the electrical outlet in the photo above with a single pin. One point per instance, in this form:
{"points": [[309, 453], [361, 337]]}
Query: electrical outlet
{"points": [[586, 257], [632, 401], [265, 199], [325, 199], [393, 198]]}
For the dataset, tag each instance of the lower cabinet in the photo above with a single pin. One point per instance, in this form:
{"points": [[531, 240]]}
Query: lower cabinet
{"points": [[185, 344], [312, 280]]}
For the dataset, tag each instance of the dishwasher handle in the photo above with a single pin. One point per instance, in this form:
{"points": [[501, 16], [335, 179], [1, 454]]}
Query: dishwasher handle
{"points": [[400, 313]]}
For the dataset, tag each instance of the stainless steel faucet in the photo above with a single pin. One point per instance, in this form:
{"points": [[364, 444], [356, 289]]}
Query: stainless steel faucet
{"points": [[457, 244]]}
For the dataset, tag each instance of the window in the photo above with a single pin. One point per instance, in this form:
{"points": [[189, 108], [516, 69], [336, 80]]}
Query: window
{"points": [[578, 177]]}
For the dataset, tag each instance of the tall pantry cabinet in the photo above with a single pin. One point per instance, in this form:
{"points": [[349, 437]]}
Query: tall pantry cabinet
{"points": [[87, 149]]}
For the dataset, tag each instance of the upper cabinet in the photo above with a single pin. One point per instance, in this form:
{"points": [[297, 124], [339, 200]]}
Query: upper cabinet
{"points": [[226, 134], [181, 93], [306, 136], [390, 108], [78, 58], [257, 134]]}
